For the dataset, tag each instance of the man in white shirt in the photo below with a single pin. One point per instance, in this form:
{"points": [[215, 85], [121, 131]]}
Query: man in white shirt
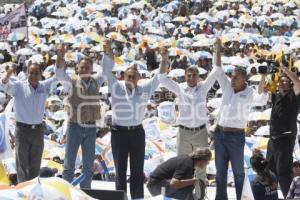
{"points": [[129, 100], [229, 136], [192, 119]]}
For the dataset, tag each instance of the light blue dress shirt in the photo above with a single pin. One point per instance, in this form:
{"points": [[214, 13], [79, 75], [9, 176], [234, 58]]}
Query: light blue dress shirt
{"points": [[29, 103], [128, 107]]}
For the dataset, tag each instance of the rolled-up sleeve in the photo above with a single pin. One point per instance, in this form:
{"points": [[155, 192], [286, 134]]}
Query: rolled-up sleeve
{"points": [[211, 79], [222, 78], [107, 66], [169, 83], [151, 85], [60, 76], [9, 88]]}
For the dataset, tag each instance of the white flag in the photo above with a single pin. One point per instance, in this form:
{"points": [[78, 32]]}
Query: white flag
{"points": [[247, 191]]}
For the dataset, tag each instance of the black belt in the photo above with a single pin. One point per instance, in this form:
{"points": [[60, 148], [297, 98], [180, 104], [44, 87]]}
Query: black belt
{"points": [[127, 127], [229, 129], [193, 129], [32, 126], [88, 123]]}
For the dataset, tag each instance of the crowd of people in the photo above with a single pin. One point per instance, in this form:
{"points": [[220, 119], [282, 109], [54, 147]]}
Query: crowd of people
{"points": [[161, 87]]}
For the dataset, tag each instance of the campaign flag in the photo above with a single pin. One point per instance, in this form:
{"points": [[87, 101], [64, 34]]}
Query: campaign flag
{"points": [[247, 191]]}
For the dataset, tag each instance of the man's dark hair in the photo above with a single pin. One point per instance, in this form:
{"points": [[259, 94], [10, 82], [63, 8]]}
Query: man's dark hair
{"points": [[242, 71], [86, 59], [34, 64], [201, 154], [192, 69]]}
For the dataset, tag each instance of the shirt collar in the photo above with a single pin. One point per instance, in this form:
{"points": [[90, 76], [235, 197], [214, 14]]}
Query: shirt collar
{"points": [[38, 86], [86, 84]]}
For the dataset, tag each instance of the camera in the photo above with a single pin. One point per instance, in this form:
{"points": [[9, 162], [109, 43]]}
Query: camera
{"points": [[268, 66]]}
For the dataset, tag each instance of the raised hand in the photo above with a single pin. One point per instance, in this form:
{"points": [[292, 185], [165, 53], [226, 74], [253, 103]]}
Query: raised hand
{"points": [[217, 53], [164, 62], [107, 47], [61, 50], [9, 72], [164, 54], [218, 44]]}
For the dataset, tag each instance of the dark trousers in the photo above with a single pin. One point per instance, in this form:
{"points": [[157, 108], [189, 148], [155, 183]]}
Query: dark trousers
{"points": [[185, 193], [280, 157], [29, 150], [130, 143]]}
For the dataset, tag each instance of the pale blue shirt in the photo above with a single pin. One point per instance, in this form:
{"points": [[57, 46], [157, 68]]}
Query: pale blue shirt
{"points": [[29, 103], [128, 107]]}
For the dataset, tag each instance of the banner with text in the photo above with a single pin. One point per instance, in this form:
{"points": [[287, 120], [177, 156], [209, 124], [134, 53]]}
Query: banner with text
{"points": [[14, 22]]}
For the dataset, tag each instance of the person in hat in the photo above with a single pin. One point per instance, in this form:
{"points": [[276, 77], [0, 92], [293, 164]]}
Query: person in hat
{"points": [[283, 128], [294, 191], [229, 136], [29, 108], [177, 175], [129, 100]]}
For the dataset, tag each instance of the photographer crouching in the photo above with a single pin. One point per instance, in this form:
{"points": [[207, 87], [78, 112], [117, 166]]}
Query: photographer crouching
{"points": [[283, 127]]}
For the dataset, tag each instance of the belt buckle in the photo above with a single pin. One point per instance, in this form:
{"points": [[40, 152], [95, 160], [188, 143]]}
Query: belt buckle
{"points": [[33, 126], [130, 128]]}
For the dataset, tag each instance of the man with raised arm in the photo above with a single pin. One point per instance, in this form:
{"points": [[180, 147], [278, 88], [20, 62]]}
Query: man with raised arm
{"points": [[283, 128], [229, 137], [83, 105], [192, 119], [129, 101], [29, 108]]}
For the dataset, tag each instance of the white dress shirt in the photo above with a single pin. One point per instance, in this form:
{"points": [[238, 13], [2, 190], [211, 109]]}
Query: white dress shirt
{"points": [[29, 103], [191, 100], [236, 107], [128, 107]]}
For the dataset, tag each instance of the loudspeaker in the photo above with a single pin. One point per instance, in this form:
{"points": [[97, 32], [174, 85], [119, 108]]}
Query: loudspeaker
{"points": [[105, 194]]}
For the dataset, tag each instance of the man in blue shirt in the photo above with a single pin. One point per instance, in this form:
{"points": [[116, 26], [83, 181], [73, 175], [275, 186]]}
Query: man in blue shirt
{"points": [[29, 100]]}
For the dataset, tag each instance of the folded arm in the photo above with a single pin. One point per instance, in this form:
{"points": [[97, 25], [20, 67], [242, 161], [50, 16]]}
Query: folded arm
{"points": [[178, 184]]}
